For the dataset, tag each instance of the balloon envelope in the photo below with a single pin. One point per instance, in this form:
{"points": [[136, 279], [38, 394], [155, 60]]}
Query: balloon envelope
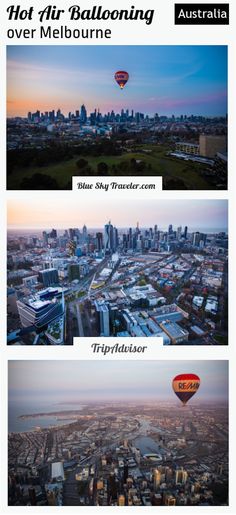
{"points": [[121, 78], [185, 386]]}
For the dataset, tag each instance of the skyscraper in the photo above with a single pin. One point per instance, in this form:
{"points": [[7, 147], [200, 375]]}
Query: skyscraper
{"points": [[109, 238], [85, 234], [181, 476], [156, 479], [41, 309], [83, 114], [99, 241], [104, 320], [49, 277]]}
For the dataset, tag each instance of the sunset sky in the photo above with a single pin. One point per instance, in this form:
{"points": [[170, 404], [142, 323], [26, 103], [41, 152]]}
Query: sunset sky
{"points": [[95, 380], [67, 212], [163, 79]]}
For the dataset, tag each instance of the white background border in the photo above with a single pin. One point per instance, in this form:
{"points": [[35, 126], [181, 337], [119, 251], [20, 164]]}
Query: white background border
{"points": [[162, 31]]}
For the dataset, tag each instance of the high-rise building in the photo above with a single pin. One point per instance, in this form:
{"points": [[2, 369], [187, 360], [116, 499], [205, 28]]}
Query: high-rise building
{"points": [[71, 248], [41, 309], [83, 114], [85, 234], [181, 476], [211, 145], [45, 237], [73, 272], [130, 237], [109, 238], [156, 479], [53, 233], [49, 277], [121, 500], [99, 241], [199, 239], [104, 320], [179, 232]]}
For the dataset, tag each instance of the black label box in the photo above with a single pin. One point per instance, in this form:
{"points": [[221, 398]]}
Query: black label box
{"points": [[201, 14]]}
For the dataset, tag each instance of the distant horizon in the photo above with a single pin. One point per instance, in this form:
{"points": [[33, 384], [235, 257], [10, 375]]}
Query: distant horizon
{"points": [[151, 115], [88, 402], [170, 79], [110, 381], [208, 230], [63, 214]]}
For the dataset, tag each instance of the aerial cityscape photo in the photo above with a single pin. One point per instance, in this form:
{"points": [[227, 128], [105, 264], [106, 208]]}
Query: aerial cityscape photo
{"points": [[117, 111], [85, 433], [153, 268]]}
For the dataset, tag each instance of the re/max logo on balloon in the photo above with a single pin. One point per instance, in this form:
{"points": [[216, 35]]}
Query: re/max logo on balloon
{"points": [[188, 386]]}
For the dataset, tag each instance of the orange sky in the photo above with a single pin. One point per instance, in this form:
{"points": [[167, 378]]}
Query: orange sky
{"points": [[51, 211]]}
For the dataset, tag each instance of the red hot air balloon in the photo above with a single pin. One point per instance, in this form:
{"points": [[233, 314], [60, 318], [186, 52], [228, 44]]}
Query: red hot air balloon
{"points": [[185, 386], [121, 78]]}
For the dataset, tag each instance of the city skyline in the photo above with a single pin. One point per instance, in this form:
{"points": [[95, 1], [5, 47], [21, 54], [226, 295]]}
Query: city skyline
{"points": [[97, 381], [196, 214], [173, 80]]}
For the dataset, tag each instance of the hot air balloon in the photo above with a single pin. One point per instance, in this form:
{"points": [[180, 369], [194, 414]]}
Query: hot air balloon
{"points": [[121, 78], [185, 386]]}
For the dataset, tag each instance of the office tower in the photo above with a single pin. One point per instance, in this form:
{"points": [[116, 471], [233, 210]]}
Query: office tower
{"points": [[73, 272], [109, 238], [53, 233], [71, 248], [179, 232], [130, 238], [99, 241], [185, 232], [196, 238], [84, 234], [104, 321], [211, 145], [156, 479], [45, 237], [41, 309], [116, 238], [71, 233], [181, 476], [83, 114], [199, 239], [49, 277]]}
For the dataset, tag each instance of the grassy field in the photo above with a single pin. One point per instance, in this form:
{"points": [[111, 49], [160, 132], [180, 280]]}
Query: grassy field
{"points": [[161, 165]]}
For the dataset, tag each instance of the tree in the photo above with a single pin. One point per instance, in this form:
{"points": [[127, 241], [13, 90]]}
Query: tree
{"points": [[81, 163], [39, 181], [102, 168], [124, 166]]}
